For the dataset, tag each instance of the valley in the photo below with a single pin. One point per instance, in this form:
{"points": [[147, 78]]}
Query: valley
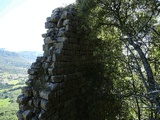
{"points": [[13, 74], [10, 88]]}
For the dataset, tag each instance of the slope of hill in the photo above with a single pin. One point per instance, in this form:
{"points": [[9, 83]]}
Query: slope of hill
{"points": [[16, 62], [13, 74], [29, 55]]}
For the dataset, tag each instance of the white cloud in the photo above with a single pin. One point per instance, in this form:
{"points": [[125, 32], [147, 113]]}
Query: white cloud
{"points": [[22, 27]]}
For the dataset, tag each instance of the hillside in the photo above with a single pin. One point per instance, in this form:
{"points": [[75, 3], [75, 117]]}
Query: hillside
{"points": [[29, 55], [16, 62], [13, 74], [10, 88]]}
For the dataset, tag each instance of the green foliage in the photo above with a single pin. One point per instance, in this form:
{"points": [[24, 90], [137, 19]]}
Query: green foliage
{"points": [[9, 113], [155, 52], [128, 60], [4, 102], [108, 69]]}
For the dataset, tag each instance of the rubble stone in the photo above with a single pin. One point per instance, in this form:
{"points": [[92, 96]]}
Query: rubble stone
{"points": [[27, 114], [58, 78]]}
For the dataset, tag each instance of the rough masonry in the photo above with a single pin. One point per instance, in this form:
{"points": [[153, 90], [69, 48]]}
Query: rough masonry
{"points": [[58, 80]]}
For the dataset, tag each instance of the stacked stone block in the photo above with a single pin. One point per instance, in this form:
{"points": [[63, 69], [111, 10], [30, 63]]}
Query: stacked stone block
{"points": [[58, 78]]}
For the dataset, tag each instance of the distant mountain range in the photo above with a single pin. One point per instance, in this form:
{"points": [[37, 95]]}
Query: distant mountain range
{"points": [[17, 62]]}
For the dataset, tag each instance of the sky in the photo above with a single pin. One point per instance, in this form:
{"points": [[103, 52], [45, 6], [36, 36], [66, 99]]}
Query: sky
{"points": [[22, 23]]}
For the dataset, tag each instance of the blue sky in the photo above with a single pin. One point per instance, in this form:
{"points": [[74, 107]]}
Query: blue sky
{"points": [[8, 5], [22, 22]]}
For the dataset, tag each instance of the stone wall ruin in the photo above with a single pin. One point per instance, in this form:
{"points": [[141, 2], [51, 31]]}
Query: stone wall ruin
{"points": [[58, 79]]}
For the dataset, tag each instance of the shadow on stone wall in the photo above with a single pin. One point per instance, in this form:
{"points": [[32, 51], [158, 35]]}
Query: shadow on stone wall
{"points": [[57, 82]]}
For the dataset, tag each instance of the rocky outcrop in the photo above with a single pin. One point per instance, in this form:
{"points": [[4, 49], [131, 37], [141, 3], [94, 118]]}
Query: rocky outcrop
{"points": [[58, 78]]}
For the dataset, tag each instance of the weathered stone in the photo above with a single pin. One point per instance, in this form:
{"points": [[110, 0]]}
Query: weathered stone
{"points": [[48, 19], [53, 65], [32, 77], [30, 102], [44, 35], [49, 58], [24, 107], [36, 110], [62, 39], [34, 118], [58, 51], [45, 105], [36, 102], [52, 32], [54, 57], [52, 86], [27, 91], [73, 11], [22, 99], [66, 22], [59, 46], [46, 47], [60, 23], [47, 77], [45, 65], [69, 28], [50, 71], [66, 15], [41, 59], [51, 50], [48, 95], [61, 33], [55, 17], [36, 65], [32, 71], [27, 115], [56, 10], [29, 82], [48, 40], [50, 25], [35, 92], [19, 115], [57, 79], [42, 115], [62, 29], [46, 53]]}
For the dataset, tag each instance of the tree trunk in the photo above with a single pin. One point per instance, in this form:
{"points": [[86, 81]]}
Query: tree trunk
{"points": [[150, 79]]}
